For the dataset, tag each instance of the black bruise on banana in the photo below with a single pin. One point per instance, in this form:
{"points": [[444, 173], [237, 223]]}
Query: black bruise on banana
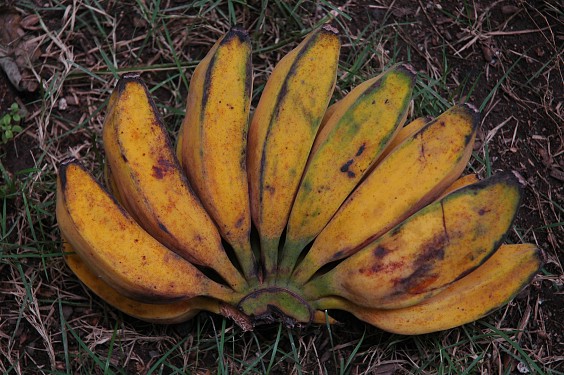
{"points": [[207, 84], [345, 168], [361, 149], [163, 228], [380, 252], [423, 275]]}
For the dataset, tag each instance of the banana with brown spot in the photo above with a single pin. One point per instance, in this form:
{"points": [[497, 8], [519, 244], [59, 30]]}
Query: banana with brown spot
{"points": [[118, 250], [361, 126], [282, 132], [151, 185], [476, 295], [438, 245], [414, 174], [212, 141]]}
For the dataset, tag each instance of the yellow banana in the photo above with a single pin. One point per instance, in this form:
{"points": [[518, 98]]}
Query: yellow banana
{"points": [[212, 141], [463, 181], [167, 313], [119, 250], [410, 177], [110, 183], [282, 131], [477, 294], [359, 129], [150, 183], [404, 133], [433, 248]]}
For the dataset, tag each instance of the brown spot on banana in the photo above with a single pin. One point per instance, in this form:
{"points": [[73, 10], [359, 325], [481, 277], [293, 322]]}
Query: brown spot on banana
{"points": [[380, 252], [163, 167]]}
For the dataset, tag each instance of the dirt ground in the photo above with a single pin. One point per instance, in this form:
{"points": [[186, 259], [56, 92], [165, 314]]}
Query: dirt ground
{"points": [[508, 54]]}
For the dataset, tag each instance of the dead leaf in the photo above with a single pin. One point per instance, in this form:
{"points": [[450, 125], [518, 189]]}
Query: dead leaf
{"points": [[18, 50]]}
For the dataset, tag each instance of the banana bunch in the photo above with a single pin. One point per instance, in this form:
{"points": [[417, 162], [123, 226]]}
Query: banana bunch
{"points": [[301, 209]]}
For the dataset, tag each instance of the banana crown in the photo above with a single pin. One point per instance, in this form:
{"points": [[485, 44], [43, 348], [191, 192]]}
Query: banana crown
{"points": [[300, 208]]}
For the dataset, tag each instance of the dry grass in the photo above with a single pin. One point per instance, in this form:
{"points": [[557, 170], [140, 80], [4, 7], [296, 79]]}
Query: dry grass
{"points": [[50, 323]]}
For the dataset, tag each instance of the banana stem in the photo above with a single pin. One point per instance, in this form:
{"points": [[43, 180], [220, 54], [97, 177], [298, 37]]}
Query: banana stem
{"points": [[328, 303], [318, 288], [269, 254], [303, 272], [290, 254], [226, 295], [246, 259]]}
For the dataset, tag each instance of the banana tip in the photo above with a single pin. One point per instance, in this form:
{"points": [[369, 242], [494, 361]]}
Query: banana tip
{"points": [[236, 32], [331, 29], [409, 68], [472, 107], [130, 75]]}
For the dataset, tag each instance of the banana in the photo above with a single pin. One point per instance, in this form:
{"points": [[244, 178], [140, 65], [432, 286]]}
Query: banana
{"points": [[110, 183], [404, 133], [463, 181], [150, 184], [212, 141], [119, 250], [433, 248], [168, 313], [476, 295], [358, 130], [282, 132], [410, 177]]}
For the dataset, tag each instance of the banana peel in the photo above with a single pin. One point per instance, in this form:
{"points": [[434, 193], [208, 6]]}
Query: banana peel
{"points": [[296, 210]]}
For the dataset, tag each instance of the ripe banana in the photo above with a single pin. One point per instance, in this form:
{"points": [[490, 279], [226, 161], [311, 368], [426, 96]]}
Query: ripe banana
{"points": [[148, 181], [119, 250], [463, 181], [404, 133], [476, 295], [212, 142], [411, 176], [438, 245], [359, 129], [282, 132], [167, 313]]}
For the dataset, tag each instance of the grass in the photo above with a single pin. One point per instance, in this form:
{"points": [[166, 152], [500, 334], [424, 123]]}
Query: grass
{"points": [[50, 323]]}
